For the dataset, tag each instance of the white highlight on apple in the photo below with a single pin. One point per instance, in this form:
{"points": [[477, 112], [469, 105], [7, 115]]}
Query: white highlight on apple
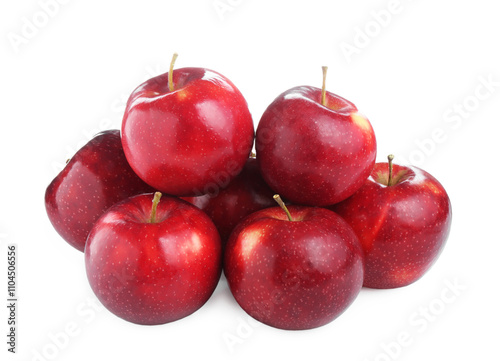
{"points": [[365, 34], [31, 26], [420, 320]]}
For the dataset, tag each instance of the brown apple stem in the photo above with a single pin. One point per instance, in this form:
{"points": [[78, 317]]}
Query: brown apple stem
{"points": [[156, 200], [390, 158], [171, 73], [323, 88], [278, 200], [253, 155]]}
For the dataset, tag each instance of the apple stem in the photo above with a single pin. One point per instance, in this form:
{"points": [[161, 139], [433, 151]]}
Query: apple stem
{"points": [[171, 73], [253, 155], [278, 200], [390, 158], [323, 88], [156, 200]]}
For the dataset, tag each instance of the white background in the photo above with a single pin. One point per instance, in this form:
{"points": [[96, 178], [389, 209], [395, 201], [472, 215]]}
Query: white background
{"points": [[72, 73]]}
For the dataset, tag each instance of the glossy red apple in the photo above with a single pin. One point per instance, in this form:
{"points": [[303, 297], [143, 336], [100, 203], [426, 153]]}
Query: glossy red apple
{"points": [[187, 132], [153, 262], [97, 177], [245, 194], [402, 219], [294, 273], [314, 147]]}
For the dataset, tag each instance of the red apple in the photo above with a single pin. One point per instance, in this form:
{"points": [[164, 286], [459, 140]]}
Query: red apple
{"points": [[97, 177], [402, 216], [187, 131], [153, 264], [314, 147], [245, 194], [294, 273]]}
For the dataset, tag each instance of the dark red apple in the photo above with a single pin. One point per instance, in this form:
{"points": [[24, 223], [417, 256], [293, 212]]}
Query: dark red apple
{"points": [[187, 131], [314, 147], [294, 273], [245, 194], [402, 218], [97, 177], [153, 262]]}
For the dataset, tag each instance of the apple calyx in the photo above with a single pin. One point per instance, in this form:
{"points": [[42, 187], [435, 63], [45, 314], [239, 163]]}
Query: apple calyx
{"points": [[323, 88], [390, 158], [171, 73], [156, 200], [278, 200]]}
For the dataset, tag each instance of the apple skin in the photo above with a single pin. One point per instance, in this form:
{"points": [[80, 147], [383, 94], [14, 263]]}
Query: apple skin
{"points": [[294, 275], [153, 273], [402, 228], [97, 177], [313, 154], [185, 142], [245, 194]]}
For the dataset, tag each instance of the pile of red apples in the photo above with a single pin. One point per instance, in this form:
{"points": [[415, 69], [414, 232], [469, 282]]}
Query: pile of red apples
{"points": [[164, 206]]}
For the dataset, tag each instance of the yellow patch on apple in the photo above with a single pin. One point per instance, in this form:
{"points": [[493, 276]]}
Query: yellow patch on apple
{"points": [[182, 94], [361, 121], [250, 239]]}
